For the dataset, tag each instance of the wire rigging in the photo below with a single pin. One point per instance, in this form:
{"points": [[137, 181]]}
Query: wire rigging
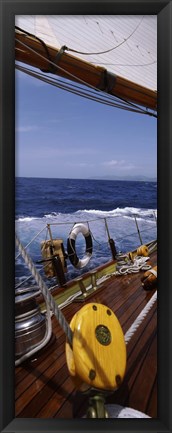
{"points": [[101, 98]]}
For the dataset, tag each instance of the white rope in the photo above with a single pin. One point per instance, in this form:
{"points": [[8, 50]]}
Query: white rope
{"points": [[139, 264], [131, 331], [153, 272]]}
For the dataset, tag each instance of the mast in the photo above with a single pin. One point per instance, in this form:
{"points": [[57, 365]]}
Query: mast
{"points": [[34, 52]]}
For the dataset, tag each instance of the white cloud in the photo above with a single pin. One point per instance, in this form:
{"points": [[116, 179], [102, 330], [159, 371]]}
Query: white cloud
{"points": [[122, 164], [113, 162], [79, 164], [27, 128], [128, 167]]}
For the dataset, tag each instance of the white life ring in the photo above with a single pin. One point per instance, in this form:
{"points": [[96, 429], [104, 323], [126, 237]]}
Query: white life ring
{"points": [[76, 262]]}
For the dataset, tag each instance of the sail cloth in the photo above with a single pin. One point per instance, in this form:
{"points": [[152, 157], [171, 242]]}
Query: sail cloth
{"points": [[124, 46]]}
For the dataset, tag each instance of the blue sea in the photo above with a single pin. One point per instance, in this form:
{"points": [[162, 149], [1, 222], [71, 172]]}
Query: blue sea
{"points": [[64, 202]]}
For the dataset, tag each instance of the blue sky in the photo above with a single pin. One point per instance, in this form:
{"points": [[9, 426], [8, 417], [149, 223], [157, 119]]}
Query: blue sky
{"points": [[61, 135]]}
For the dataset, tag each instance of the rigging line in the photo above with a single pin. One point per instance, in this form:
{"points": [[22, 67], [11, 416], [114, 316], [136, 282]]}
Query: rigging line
{"points": [[127, 107], [71, 75], [67, 87], [83, 94], [111, 49], [132, 234], [108, 95], [26, 279], [118, 64], [36, 37], [32, 240], [23, 282], [105, 96]]}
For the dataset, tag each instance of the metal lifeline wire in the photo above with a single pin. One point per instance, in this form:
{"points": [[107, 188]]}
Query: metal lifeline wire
{"points": [[101, 219], [29, 243], [85, 221], [90, 220]]}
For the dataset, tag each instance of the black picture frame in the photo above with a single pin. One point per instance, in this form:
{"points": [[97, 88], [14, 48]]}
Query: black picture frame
{"points": [[163, 10]]}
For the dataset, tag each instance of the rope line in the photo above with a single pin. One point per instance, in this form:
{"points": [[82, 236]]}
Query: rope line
{"points": [[133, 328], [110, 49], [122, 64], [47, 296], [101, 98]]}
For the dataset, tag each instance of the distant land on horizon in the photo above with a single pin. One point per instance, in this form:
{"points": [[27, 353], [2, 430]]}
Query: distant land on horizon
{"points": [[127, 178], [138, 178]]}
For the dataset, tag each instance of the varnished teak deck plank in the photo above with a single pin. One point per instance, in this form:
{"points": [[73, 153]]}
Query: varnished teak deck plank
{"points": [[43, 386]]}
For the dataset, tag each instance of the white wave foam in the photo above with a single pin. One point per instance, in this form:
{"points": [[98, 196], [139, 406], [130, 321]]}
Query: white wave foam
{"points": [[127, 211], [26, 219], [51, 215]]}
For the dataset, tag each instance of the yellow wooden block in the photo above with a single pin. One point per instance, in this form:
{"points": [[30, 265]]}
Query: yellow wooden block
{"points": [[98, 356], [143, 251], [56, 246]]}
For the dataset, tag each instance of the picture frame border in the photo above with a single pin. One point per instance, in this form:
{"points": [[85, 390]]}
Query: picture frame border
{"points": [[8, 10]]}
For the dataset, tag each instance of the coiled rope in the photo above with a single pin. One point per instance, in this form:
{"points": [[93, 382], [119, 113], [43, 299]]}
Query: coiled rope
{"points": [[140, 318], [47, 295], [132, 268]]}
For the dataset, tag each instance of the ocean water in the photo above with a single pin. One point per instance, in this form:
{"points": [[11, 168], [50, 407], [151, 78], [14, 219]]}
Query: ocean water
{"points": [[64, 202]]}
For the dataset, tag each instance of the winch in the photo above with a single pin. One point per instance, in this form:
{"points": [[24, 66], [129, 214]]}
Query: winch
{"points": [[30, 323]]}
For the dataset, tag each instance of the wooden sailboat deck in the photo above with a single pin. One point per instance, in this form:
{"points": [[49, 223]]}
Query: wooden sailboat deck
{"points": [[43, 387]]}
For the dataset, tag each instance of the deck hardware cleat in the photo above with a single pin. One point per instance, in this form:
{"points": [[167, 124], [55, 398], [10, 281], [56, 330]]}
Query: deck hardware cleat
{"points": [[84, 295], [93, 279], [87, 292]]}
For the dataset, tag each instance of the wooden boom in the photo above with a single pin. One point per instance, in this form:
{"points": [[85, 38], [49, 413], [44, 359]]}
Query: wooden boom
{"points": [[95, 76]]}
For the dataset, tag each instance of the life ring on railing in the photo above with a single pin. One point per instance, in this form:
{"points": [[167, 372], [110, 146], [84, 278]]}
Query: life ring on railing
{"points": [[76, 262]]}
